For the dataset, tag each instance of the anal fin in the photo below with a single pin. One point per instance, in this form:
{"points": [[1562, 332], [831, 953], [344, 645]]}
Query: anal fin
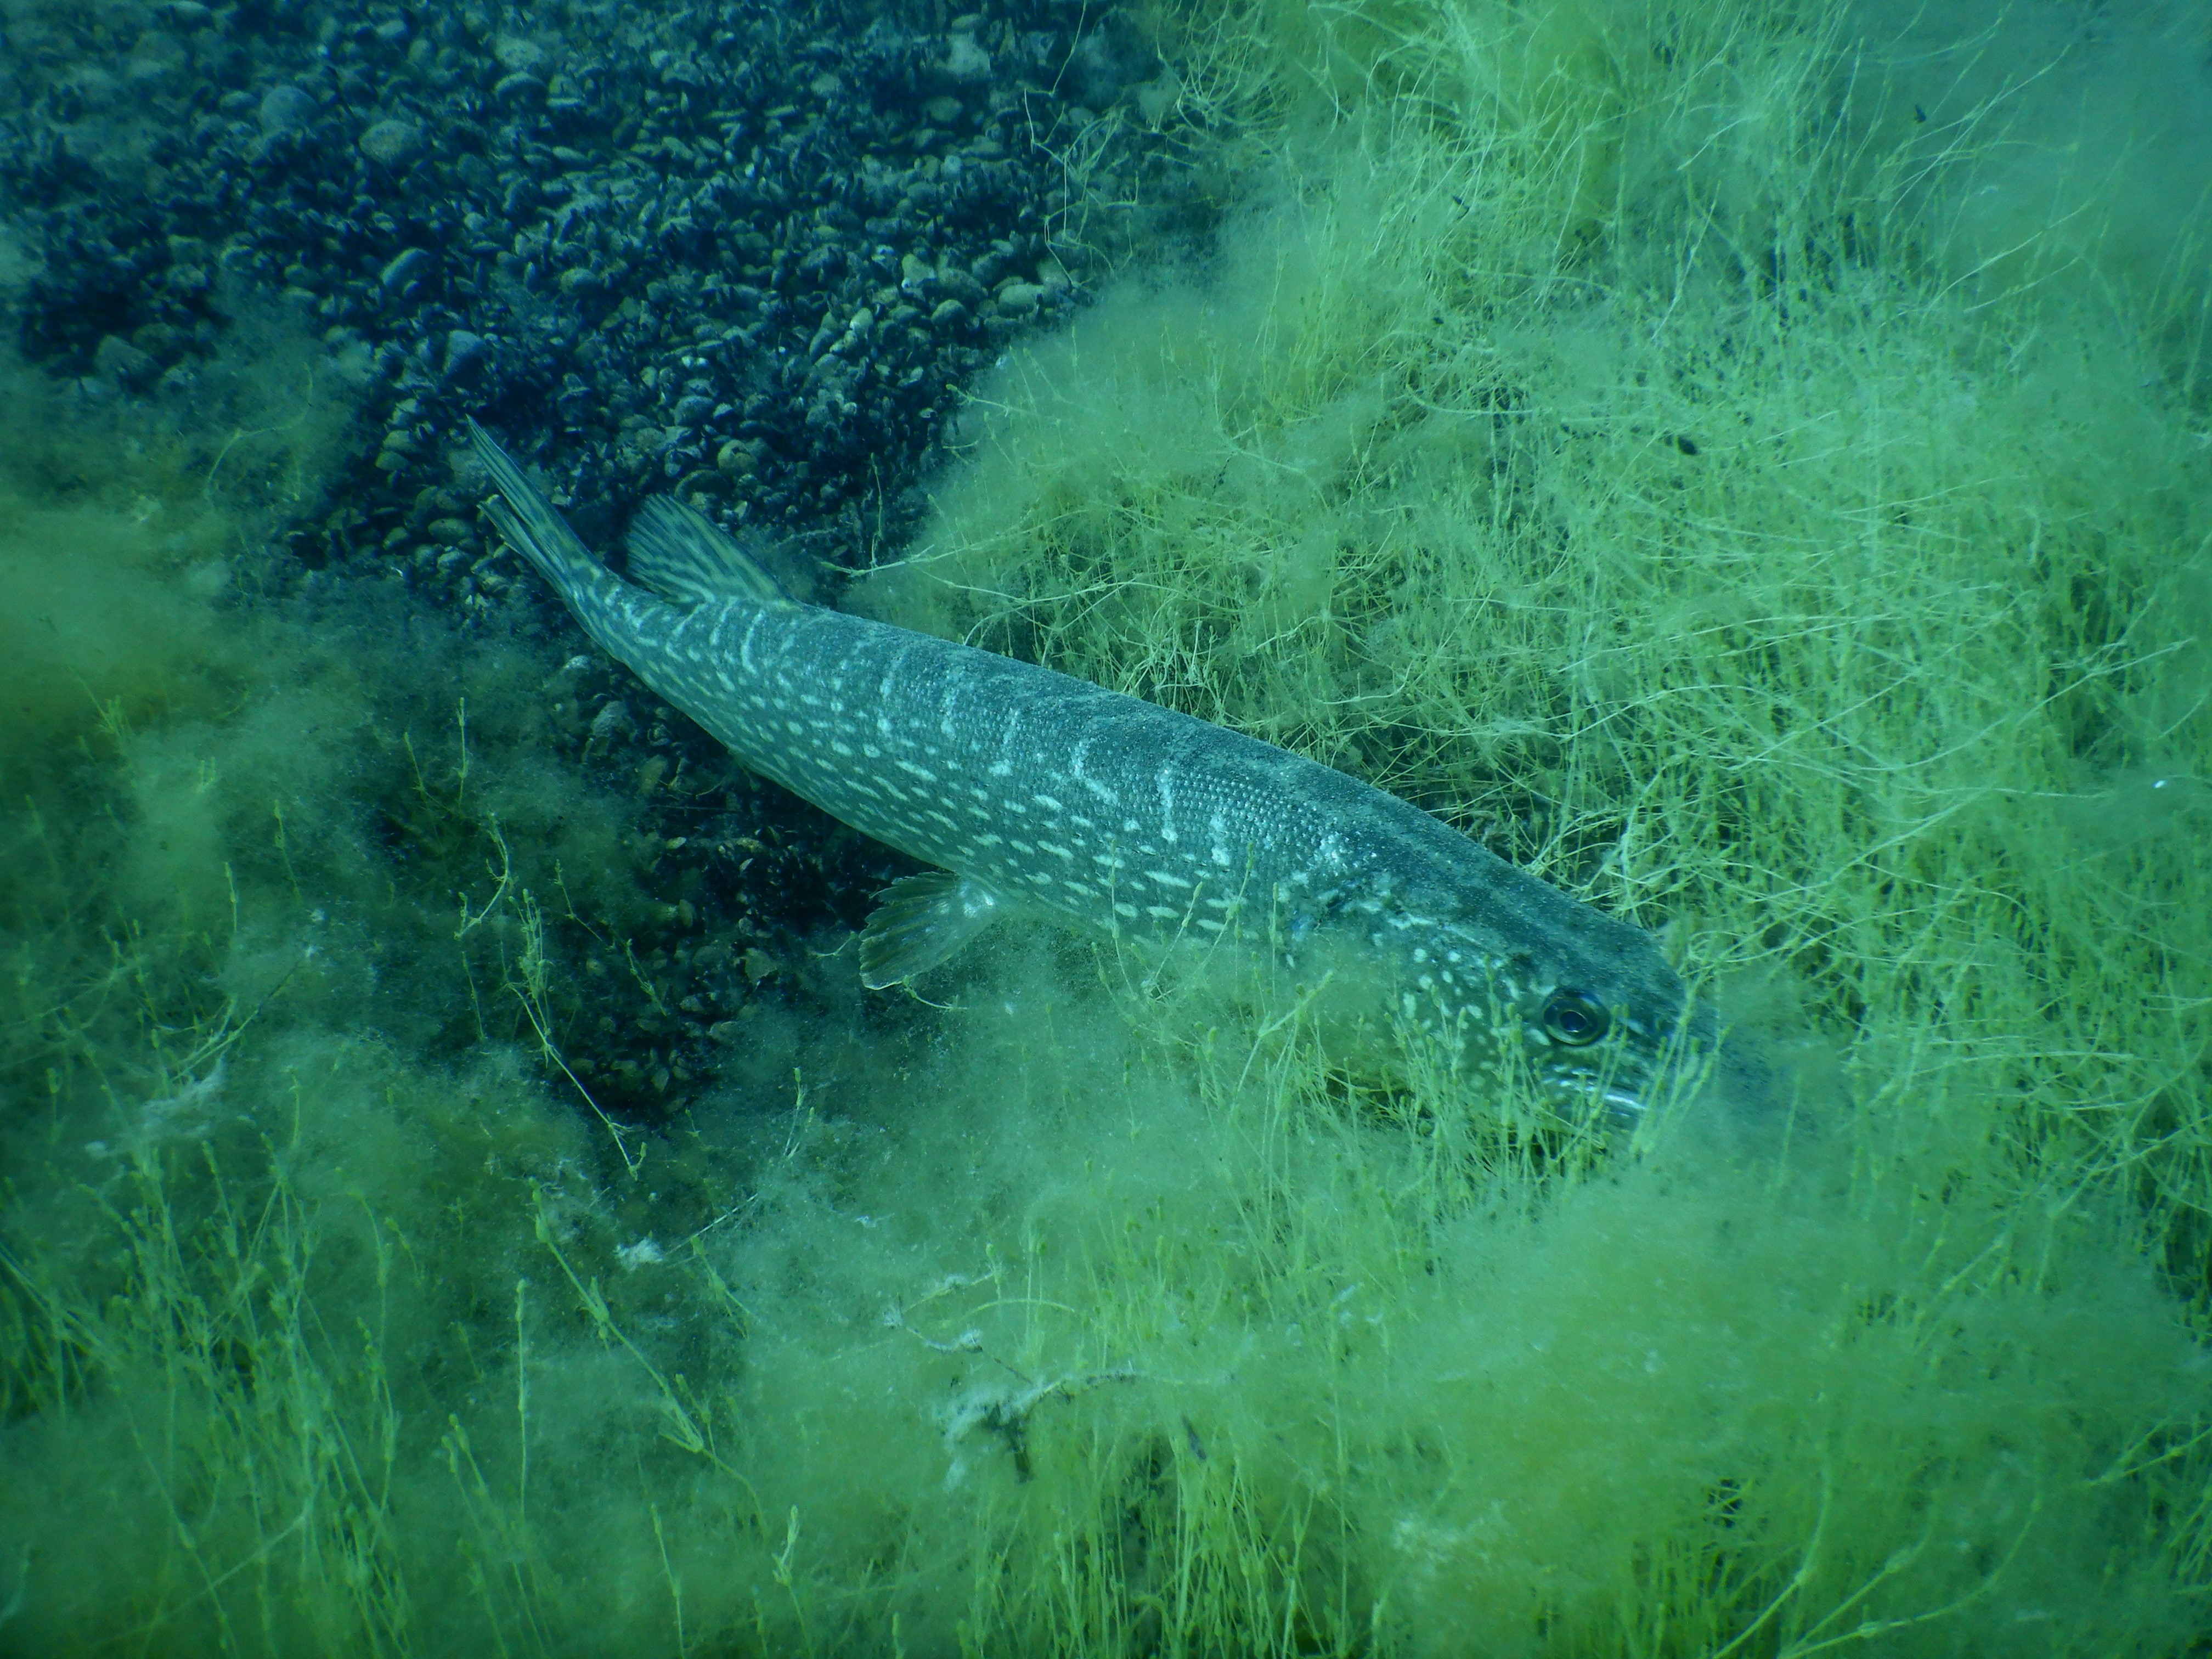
{"points": [[922, 920]]}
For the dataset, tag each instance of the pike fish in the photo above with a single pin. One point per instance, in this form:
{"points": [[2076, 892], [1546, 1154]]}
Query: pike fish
{"points": [[1034, 791]]}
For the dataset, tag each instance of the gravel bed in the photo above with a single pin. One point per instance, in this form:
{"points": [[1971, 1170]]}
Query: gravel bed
{"points": [[747, 252]]}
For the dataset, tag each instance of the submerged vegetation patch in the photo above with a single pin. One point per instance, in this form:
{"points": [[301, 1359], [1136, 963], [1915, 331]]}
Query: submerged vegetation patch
{"points": [[1592, 429]]}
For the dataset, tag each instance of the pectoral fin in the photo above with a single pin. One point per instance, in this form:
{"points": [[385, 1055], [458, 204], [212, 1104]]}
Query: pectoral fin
{"points": [[922, 920]]}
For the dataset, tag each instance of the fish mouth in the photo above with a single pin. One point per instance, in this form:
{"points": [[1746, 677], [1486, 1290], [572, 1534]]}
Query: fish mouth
{"points": [[1736, 1082], [1624, 1107], [1628, 1097], [1588, 1099]]}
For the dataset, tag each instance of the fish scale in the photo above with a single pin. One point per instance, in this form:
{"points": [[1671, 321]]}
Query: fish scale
{"points": [[1034, 790]]}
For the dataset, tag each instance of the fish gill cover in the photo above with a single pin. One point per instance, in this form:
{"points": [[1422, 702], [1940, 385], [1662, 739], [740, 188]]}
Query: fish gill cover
{"points": [[1748, 465]]}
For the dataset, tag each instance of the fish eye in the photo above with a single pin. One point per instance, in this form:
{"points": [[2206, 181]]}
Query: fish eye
{"points": [[1575, 1019]]}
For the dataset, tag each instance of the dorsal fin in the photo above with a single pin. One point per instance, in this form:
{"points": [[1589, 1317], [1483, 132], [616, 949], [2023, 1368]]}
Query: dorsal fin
{"points": [[681, 555]]}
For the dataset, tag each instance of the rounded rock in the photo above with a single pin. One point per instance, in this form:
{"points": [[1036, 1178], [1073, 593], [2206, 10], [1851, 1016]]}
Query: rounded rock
{"points": [[407, 267], [285, 108], [119, 360], [465, 352], [957, 284], [390, 142], [966, 61], [517, 55]]}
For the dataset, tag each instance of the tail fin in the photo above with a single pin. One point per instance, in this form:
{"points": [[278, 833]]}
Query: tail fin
{"points": [[529, 523]]}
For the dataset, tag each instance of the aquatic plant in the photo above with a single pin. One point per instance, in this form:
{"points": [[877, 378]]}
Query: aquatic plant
{"points": [[1584, 435]]}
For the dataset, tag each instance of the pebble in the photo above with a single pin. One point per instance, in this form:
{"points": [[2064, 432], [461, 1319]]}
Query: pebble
{"points": [[519, 55], [966, 61], [405, 268], [119, 360], [390, 142], [465, 352], [285, 109], [613, 720]]}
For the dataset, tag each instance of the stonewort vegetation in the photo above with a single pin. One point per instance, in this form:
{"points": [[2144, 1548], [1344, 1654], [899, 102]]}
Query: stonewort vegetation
{"points": [[463, 1188]]}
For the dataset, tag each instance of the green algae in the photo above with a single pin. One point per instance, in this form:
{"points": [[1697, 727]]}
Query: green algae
{"points": [[1587, 440]]}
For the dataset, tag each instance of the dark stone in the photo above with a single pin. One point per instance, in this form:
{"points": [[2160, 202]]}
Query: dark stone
{"points": [[466, 354], [119, 360], [406, 270], [285, 109], [390, 142]]}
